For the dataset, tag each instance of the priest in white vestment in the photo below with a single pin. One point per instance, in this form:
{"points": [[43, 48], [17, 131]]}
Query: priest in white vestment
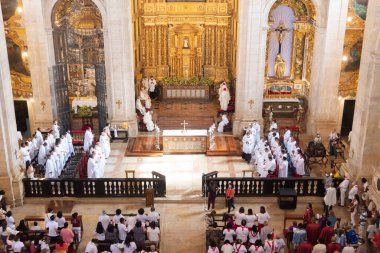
{"points": [[148, 121], [224, 99], [39, 136], [223, 123], [100, 160], [287, 135], [24, 153], [248, 142], [330, 197], [222, 86], [256, 129], [299, 164], [55, 129], [274, 125], [92, 167], [88, 139], [105, 144]]}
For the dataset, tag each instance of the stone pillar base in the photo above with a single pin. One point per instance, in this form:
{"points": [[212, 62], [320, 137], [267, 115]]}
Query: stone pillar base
{"points": [[132, 124], [324, 127], [240, 124], [14, 190]]}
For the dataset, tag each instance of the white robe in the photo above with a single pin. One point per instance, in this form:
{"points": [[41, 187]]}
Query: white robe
{"points": [[101, 161], [148, 103], [148, 122], [140, 107], [40, 138], [92, 168], [287, 136], [105, 145], [256, 129], [248, 143], [330, 197], [283, 169], [25, 154], [273, 125], [300, 166], [56, 131], [50, 169], [223, 123], [88, 140], [221, 88], [42, 155], [224, 99], [70, 144]]}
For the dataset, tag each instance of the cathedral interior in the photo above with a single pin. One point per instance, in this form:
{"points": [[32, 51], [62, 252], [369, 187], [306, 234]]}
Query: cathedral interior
{"points": [[84, 64]]}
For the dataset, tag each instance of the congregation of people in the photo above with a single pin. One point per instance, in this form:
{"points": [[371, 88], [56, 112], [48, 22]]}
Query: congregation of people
{"points": [[272, 156]]}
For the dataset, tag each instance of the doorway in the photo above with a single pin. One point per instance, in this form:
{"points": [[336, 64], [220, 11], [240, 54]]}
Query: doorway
{"points": [[348, 116], [22, 117]]}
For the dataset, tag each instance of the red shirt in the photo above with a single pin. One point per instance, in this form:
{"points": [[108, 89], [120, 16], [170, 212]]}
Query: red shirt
{"points": [[332, 247], [230, 193], [305, 247], [67, 235], [313, 230], [326, 234]]}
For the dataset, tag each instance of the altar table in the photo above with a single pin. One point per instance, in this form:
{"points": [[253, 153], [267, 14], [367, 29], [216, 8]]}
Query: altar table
{"points": [[189, 142], [198, 92], [90, 102]]}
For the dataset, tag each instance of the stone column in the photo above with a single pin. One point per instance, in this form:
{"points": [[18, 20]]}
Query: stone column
{"points": [[327, 57], [364, 148], [120, 70], [39, 62], [250, 64], [10, 179]]}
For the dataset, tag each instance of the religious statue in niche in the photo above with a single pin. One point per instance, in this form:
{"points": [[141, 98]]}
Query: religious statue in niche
{"points": [[280, 62], [186, 43]]}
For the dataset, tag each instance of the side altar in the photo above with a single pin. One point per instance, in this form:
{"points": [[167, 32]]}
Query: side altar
{"points": [[188, 141]]}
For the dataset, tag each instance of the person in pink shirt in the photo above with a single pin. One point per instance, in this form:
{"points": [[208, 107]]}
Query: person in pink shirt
{"points": [[67, 235]]}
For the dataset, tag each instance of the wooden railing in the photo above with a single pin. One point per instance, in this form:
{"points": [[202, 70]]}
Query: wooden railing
{"points": [[266, 187], [99, 187]]}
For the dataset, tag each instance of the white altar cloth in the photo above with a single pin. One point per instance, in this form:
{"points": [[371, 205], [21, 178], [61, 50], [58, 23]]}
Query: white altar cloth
{"points": [[187, 133], [90, 102]]}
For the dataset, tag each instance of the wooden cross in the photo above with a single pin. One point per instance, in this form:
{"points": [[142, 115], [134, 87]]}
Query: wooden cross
{"points": [[184, 125], [251, 102], [118, 102]]}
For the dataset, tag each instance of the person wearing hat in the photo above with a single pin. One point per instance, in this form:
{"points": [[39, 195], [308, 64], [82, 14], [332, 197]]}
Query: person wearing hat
{"points": [[343, 189]]}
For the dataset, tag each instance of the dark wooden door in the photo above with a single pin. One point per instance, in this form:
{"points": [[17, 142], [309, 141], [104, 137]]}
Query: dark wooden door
{"points": [[100, 90]]}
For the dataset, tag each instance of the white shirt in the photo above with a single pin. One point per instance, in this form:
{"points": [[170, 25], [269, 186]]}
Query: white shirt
{"points": [[91, 248], [60, 221], [213, 250], [17, 246], [240, 248], [116, 248], [122, 231], [254, 249], [142, 218], [262, 217], [254, 237], [153, 234], [239, 217], [242, 233], [153, 216], [105, 220], [227, 248], [344, 184], [228, 234], [348, 249], [250, 220], [116, 218], [132, 247], [269, 246], [353, 192], [52, 227]]}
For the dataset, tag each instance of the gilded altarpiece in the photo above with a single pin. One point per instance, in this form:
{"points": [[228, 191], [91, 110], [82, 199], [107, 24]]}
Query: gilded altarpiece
{"points": [[185, 39], [296, 83]]}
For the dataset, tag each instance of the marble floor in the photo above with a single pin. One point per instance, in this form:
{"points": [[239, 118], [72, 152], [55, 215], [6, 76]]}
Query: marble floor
{"points": [[183, 210]]}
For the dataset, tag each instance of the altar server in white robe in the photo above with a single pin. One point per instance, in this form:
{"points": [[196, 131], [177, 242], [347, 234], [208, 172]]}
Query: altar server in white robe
{"points": [[70, 143], [291, 145], [283, 167], [88, 139], [34, 147], [51, 140], [56, 129], [40, 138], [287, 135], [270, 166], [50, 167], [148, 121], [223, 123], [105, 144], [224, 99], [92, 167], [100, 160], [42, 154], [140, 107]]}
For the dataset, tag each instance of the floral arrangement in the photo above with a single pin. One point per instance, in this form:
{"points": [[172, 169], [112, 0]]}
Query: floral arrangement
{"points": [[194, 81], [124, 125], [84, 112]]}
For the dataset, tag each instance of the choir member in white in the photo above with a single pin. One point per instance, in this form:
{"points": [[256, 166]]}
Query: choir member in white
{"points": [[96, 162], [223, 123], [255, 128], [88, 139], [105, 144], [56, 129], [248, 142]]}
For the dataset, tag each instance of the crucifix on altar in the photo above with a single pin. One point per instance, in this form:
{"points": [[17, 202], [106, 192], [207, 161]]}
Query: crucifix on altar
{"points": [[184, 125]]}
